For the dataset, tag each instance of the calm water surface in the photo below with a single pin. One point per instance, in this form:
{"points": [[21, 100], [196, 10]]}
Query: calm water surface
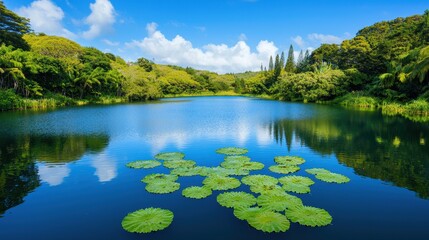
{"points": [[63, 174]]}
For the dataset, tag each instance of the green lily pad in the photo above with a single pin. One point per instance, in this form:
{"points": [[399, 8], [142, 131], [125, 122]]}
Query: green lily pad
{"points": [[226, 172], [284, 169], [159, 177], [179, 163], [147, 220], [162, 187], [278, 202], [232, 151], [237, 158], [296, 184], [236, 199], [167, 156], [266, 189], [216, 182], [309, 216], [245, 213], [259, 180], [269, 222], [248, 166], [289, 160], [145, 164], [315, 171], [196, 192], [332, 178], [186, 172], [296, 180]]}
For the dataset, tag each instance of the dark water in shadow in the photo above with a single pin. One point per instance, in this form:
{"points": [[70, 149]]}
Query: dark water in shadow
{"points": [[63, 174]]}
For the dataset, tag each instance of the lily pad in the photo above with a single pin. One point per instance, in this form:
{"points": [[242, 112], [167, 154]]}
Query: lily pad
{"points": [[179, 163], [145, 164], [186, 172], [216, 182], [309, 216], [159, 177], [296, 184], [232, 151], [278, 202], [332, 178], [167, 156], [289, 160], [269, 222], [236, 199], [266, 189], [259, 180], [284, 169], [196, 192], [147, 220], [245, 213], [248, 166], [226, 172], [296, 180], [162, 187], [237, 158], [315, 171]]}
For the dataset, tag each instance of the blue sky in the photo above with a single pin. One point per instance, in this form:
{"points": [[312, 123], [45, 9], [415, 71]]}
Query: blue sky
{"points": [[217, 35]]}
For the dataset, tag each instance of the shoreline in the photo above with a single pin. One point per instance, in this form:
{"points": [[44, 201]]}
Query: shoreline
{"points": [[416, 110]]}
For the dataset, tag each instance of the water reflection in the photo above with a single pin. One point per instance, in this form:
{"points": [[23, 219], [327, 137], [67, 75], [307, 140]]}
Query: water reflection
{"points": [[390, 149], [105, 167], [20, 173]]}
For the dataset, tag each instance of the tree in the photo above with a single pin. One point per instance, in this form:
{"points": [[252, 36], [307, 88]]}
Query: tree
{"points": [[277, 68], [147, 65], [12, 28], [282, 60], [271, 64], [290, 64]]}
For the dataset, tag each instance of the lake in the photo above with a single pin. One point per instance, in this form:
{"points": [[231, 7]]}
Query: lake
{"points": [[63, 173]]}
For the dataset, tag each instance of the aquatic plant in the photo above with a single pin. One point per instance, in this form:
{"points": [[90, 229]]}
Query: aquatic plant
{"points": [[289, 160], [244, 213], [197, 192], [248, 166], [259, 179], [237, 158], [278, 202], [218, 182], [179, 163], [236, 199], [284, 169], [226, 172], [266, 189], [186, 172], [315, 171], [332, 178], [309, 216], [296, 184], [327, 176], [145, 164], [232, 151], [147, 220], [269, 222], [162, 187], [167, 156], [159, 176]]}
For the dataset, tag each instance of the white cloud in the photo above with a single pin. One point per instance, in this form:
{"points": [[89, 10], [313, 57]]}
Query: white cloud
{"points": [[219, 58], [105, 168], [322, 38], [110, 43], [46, 17], [299, 41], [101, 19]]}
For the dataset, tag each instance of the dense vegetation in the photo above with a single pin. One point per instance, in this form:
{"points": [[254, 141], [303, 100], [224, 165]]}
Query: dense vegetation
{"points": [[386, 65]]}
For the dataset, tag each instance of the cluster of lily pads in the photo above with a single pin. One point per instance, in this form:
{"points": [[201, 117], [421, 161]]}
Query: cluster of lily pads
{"points": [[271, 210]]}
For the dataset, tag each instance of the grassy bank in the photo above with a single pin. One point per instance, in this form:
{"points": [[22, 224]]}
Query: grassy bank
{"points": [[416, 110], [11, 101]]}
